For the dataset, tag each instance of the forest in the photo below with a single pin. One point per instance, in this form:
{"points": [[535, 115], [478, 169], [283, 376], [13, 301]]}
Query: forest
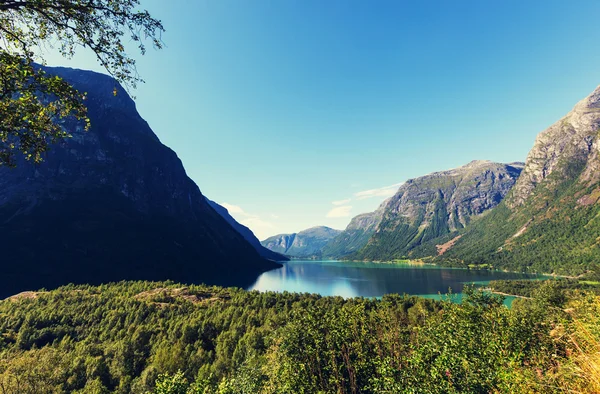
{"points": [[167, 338]]}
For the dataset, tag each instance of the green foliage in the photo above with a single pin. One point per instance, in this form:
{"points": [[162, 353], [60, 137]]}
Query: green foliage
{"points": [[528, 288], [32, 104], [141, 337], [176, 384]]}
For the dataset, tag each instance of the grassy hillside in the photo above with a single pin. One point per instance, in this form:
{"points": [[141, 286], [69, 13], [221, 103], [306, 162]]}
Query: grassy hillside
{"points": [[165, 338]]}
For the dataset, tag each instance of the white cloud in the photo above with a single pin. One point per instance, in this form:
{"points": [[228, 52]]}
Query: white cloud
{"points": [[340, 212], [234, 209], [255, 223], [259, 227], [273, 216], [341, 202], [386, 191]]}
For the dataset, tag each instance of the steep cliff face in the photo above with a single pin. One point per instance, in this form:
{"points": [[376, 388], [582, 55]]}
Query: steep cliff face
{"points": [[549, 221], [573, 139], [305, 244], [113, 203], [434, 205], [356, 235], [247, 234]]}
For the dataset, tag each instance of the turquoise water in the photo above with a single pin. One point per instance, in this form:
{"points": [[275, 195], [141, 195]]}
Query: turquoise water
{"points": [[359, 279]]}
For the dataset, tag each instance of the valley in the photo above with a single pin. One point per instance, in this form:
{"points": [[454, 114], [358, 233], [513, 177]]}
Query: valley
{"points": [[299, 197]]}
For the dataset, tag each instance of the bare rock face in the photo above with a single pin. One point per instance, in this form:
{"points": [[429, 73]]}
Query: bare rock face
{"points": [[433, 205], [549, 221], [113, 203], [305, 244], [572, 139]]}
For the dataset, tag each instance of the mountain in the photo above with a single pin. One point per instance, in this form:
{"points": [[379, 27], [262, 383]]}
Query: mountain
{"points": [[305, 244], [356, 235], [246, 233], [113, 203], [434, 205], [550, 221]]}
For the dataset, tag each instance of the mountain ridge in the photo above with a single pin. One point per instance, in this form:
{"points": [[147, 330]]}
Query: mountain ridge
{"points": [[113, 203], [549, 221], [431, 206]]}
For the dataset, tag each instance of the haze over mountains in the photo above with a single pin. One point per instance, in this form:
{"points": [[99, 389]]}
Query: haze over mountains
{"points": [[111, 204]]}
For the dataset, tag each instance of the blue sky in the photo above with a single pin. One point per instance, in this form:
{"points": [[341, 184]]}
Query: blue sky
{"points": [[281, 108]]}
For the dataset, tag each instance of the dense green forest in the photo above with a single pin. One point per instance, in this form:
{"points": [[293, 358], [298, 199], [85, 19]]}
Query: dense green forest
{"points": [[144, 337]]}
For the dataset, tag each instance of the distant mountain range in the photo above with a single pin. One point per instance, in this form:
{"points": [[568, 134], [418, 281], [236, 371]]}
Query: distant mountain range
{"points": [[113, 203], [305, 244], [422, 209], [542, 215]]}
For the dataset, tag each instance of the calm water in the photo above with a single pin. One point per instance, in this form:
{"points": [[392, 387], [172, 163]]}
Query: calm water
{"points": [[353, 279]]}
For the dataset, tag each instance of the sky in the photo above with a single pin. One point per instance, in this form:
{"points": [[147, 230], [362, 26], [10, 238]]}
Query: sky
{"points": [[294, 114]]}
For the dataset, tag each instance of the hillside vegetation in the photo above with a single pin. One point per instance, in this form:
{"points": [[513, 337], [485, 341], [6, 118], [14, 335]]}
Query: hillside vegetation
{"points": [[142, 337], [434, 205]]}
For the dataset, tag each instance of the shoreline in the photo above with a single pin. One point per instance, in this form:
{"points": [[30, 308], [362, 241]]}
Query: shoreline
{"points": [[420, 262]]}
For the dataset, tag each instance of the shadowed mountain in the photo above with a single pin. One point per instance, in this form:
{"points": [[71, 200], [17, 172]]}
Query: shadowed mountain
{"points": [[113, 203]]}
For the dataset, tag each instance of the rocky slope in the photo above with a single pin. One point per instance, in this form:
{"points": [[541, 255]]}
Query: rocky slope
{"points": [[550, 220], [356, 235], [246, 233], [113, 203], [434, 205], [305, 244]]}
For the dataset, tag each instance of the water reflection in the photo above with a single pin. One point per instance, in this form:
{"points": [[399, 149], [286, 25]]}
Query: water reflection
{"points": [[370, 279]]}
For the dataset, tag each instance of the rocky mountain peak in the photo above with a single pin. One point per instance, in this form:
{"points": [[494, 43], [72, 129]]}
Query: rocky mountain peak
{"points": [[592, 101], [433, 205], [571, 141], [476, 163]]}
